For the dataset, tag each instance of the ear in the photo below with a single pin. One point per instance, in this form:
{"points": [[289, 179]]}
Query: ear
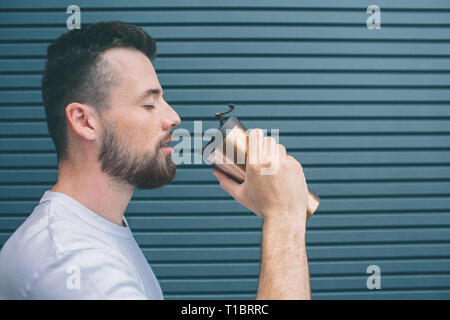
{"points": [[83, 120]]}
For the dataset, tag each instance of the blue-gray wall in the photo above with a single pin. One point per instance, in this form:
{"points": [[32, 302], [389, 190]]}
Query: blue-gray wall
{"points": [[367, 113]]}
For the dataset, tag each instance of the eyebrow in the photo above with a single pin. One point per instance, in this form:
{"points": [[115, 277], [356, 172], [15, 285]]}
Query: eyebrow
{"points": [[148, 93]]}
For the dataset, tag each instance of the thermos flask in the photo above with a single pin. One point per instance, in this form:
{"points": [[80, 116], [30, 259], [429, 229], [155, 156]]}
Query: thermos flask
{"points": [[232, 135]]}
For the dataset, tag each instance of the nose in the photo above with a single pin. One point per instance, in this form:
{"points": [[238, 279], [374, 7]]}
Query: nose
{"points": [[172, 120]]}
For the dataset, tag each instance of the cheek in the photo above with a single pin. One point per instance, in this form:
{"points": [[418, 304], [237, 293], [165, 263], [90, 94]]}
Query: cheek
{"points": [[139, 133]]}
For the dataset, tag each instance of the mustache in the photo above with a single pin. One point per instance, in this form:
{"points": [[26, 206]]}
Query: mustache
{"points": [[166, 138]]}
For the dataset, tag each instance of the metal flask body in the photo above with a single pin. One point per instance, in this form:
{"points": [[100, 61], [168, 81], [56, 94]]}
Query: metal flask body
{"points": [[233, 137]]}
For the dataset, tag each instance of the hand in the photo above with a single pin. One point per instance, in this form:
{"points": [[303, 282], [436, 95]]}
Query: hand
{"points": [[275, 186]]}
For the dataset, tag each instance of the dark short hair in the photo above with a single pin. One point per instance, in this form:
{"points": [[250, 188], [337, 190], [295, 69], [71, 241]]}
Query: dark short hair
{"points": [[75, 71]]}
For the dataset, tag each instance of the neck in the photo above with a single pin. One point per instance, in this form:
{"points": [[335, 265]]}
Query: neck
{"points": [[90, 186]]}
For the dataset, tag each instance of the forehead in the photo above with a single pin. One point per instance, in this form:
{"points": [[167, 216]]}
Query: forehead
{"points": [[133, 68]]}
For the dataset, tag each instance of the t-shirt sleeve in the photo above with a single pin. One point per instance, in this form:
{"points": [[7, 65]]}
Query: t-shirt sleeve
{"points": [[90, 274]]}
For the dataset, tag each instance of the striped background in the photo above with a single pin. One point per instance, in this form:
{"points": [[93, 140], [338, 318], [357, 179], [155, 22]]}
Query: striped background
{"points": [[367, 113]]}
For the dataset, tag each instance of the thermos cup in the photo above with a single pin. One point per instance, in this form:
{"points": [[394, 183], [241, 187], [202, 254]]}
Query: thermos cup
{"points": [[232, 136]]}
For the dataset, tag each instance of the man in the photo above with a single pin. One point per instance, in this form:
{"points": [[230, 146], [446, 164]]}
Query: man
{"points": [[111, 126]]}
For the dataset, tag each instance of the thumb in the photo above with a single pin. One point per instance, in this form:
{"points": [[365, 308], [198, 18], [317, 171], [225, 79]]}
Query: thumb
{"points": [[227, 184]]}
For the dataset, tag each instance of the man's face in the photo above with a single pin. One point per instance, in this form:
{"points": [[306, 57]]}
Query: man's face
{"points": [[137, 125]]}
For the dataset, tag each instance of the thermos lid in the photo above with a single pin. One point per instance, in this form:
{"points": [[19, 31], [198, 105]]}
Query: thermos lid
{"points": [[224, 129]]}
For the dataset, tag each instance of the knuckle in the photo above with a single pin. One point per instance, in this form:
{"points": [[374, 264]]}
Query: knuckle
{"points": [[290, 158], [255, 132], [252, 167], [300, 169], [254, 136], [294, 163]]}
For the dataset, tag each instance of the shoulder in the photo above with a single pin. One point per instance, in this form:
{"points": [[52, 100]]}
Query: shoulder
{"points": [[27, 250], [86, 274], [45, 235], [46, 249]]}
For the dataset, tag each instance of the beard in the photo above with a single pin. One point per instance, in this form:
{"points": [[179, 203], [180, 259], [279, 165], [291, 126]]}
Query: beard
{"points": [[148, 171]]}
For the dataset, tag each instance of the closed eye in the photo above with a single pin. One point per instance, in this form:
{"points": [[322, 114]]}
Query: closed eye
{"points": [[150, 106]]}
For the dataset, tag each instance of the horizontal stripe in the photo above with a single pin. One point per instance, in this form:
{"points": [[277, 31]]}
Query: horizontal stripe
{"points": [[250, 110], [230, 16], [334, 126], [195, 191], [249, 79], [290, 142], [207, 206], [360, 32], [388, 282], [315, 253], [306, 158], [340, 295], [313, 237], [288, 4], [247, 221], [298, 47], [314, 175], [263, 64], [331, 268]]}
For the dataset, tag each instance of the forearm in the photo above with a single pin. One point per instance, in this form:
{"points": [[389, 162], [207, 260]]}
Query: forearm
{"points": [[284, 272]]}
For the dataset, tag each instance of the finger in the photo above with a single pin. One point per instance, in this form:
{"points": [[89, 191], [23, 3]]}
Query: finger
{"points": [[269, 150], [290, 158], [227, 184], [281, 151], [294, 162], [255, 140]]}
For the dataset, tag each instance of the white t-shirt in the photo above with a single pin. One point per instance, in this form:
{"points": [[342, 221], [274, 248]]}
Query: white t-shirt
{"points": [[63, 250]]}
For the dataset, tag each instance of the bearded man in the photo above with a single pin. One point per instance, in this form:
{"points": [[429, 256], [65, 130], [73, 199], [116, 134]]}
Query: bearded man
{"points": [[110, 125]]}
